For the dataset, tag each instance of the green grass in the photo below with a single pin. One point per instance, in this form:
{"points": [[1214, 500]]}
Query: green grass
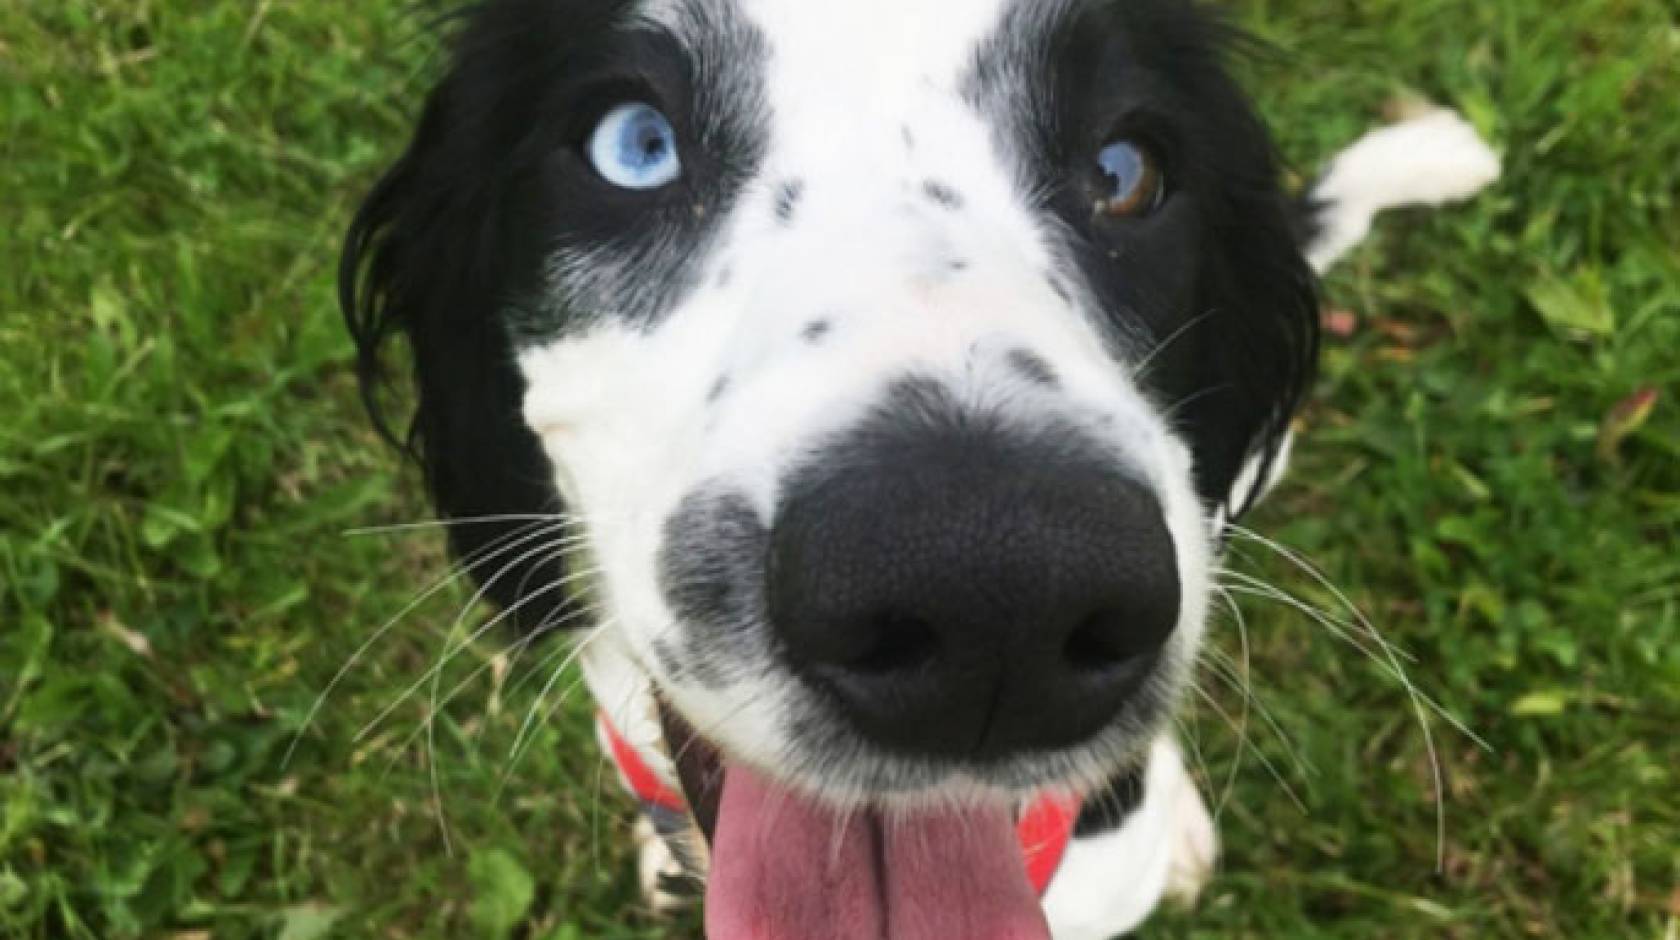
{"points": [[181, 451]]}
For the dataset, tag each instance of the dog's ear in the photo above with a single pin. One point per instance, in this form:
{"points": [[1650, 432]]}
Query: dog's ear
{"points": [[1258, 344], [425, 259]]}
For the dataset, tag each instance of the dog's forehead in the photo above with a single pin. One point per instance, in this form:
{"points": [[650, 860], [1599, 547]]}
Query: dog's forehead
{"points": [[868, 55], [882, 43], [890, 32]]}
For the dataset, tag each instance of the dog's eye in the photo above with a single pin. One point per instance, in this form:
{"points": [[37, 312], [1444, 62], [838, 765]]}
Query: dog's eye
{"points": [[635, 147], [1132, 182]]}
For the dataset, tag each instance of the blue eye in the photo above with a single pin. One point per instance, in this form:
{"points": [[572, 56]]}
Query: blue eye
{"points": [[1131, 180], [635, 147]]}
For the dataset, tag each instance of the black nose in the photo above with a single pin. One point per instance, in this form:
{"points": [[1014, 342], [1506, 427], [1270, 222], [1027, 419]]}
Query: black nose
{"points": [[970, 592]]}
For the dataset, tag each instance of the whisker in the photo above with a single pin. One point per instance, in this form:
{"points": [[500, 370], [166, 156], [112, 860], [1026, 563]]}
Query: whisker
{"points": [[1255, 587], [1247, 697], [561, 648], [552, 625], [432, 524], [595, 814], [595, 805], [438, 811], [519, 740], [1226, 669], [1193, 737], [1417, 698], [1391, 655], [1335, 628], [518, 645], [429, 723], [1141, 370], [444, 660], [1168, 414], [701, 735], [1243, 741], [556, 550], [523, 740], [488, 552], [454, 692]]}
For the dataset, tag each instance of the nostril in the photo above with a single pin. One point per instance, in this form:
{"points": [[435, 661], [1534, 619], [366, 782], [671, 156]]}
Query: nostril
{"points": [[1097, 643], [902, 642]]}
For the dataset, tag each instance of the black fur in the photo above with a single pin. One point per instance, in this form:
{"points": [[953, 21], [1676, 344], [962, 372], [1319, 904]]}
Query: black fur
{"points": [[1108, 809]]}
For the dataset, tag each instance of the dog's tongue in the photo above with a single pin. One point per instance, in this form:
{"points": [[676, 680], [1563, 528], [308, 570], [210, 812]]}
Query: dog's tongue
{"points": [[787, 868]]}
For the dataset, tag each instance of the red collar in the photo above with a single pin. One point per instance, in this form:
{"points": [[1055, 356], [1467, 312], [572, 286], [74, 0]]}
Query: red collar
{"points": [[1044, 829]]}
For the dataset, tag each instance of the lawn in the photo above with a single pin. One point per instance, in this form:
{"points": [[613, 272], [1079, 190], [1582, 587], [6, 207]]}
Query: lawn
{"points": [[182, 456]]}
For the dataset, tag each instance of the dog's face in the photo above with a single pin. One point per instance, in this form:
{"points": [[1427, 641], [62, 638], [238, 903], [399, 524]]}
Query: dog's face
{"points": [[898, 362]]}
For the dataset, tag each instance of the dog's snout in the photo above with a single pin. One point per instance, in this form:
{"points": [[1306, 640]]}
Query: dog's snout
{"points": [[972, 594]]}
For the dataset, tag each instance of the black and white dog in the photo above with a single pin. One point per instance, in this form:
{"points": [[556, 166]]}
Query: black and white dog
{"points": [[870, 383]]}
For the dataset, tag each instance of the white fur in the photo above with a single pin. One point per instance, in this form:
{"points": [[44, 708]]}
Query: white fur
{"points": [[1428, 160], [1109, 884]]}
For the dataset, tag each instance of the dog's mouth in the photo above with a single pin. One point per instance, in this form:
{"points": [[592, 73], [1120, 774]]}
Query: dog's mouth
{"points": [[786, 866], [699, 767]]}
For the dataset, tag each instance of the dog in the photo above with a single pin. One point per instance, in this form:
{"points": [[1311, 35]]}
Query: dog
{"points": [[867, 388]]}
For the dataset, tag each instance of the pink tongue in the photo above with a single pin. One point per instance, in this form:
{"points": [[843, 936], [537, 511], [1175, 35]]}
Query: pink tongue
{"points": [[786, 868]]}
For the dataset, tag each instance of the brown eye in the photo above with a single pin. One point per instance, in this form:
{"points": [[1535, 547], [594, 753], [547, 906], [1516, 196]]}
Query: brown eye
{"points": [[1131, 181]]}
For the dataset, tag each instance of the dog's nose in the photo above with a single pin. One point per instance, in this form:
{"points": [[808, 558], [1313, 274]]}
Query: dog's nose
{"points": [[972, 594]]}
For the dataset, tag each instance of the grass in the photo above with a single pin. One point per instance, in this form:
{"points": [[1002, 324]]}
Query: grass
{"points": [[181, 453]]}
